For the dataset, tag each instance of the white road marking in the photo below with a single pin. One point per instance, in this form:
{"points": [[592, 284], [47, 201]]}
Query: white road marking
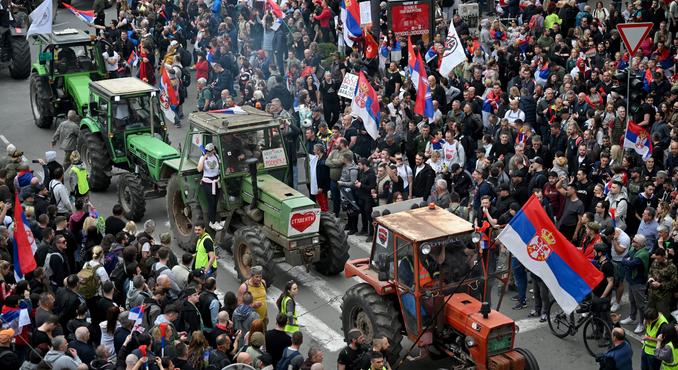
{"points": [[311, 325], [4, 139], [316, 284]]}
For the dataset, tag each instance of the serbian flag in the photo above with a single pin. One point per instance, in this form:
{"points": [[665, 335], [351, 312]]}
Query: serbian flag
{"points": [[535, 241], [384, 50], [136, 315], [275, 9], [366, 105], [232, 110], [86, 16], [24, 243], [350, 18], [133, 59], [371, 46], [638, 139], [169, 97], [423, 104], [430, 54]]}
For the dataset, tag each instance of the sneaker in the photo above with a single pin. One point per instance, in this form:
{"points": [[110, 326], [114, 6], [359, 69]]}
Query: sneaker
{"points": [[515, 298], [639, 328], [222, 224], [615, 307], [212, 225], [351, 232], [520, 306], [533, 313], [628, 321], [543, 318]]}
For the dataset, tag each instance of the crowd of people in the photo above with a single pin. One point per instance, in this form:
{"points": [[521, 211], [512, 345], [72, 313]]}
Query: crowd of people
{"points": [[539, 108]]}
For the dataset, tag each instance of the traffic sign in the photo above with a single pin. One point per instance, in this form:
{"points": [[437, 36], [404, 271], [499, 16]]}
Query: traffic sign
{"points": [[633, 34]]}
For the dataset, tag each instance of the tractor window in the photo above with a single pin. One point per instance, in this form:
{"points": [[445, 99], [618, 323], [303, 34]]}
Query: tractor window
{"points": [[74, 58], [132, 113], [103, 110], [404, 261], [262, 145]]}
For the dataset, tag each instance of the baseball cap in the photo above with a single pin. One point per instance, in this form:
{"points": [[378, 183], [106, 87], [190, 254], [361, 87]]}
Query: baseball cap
{"points": [[537, 160], [174, 43], [257, 270], [188, 292], [209, 147], [146, 247], [354, 334], [257, 339], [593, 226]]}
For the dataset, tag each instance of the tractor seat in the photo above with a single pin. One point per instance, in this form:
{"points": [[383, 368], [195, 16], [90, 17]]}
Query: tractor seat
{"points": [[85, 63]]}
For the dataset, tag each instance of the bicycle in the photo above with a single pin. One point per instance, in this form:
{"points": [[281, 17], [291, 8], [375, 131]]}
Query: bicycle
{"points": [[597, 331]]}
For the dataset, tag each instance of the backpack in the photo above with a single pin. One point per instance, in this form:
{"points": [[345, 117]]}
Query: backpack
{"points": [[52, 197], [185, 77], [285, 361], [119, 276], [48, 267], [89, 280], [186, 57]]}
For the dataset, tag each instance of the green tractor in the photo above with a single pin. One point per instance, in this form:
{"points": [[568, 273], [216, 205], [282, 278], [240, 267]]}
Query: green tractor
{"points": [[263, 216], [125, 128], [67, 61]]}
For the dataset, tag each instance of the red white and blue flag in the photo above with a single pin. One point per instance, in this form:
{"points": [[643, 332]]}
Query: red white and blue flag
{"points": [[423, 103], [232, 110], [86, 16], [133, 59], [536, 242], [366, 106], [275, 9], [638, 139], [350, 18], [136, 315], [430, 54], [169, 97], [24, 243]]}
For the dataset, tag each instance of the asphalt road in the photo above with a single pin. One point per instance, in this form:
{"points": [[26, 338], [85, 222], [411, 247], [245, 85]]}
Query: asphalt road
{"points": [[320, 297]]}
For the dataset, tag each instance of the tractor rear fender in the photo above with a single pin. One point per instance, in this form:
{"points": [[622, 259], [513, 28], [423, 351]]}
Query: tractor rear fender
{"points": [[89, 124], [362, 269]]}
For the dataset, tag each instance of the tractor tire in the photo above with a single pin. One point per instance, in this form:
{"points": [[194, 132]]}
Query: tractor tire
{"points": [[252, 248], [131, 196], [333, 246], [373, 314], [530, 361], [182, 216], [41, 103], [20, 68], [94, 155]]}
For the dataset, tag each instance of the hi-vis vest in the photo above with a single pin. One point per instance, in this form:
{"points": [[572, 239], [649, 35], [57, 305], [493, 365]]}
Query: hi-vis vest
{"points": [[673, 365], [290, 327], [424, 276], [652, 330], [202, 258], [83, 184]]}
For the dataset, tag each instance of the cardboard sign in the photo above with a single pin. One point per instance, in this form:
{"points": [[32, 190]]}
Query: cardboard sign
{"points": [[365, 13], [304, 222], [348, 85], [274, 157]]}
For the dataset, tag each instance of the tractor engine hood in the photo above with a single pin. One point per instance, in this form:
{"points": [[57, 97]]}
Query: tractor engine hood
{"points": [[78, 86], [287, 211], [150, 148], [495, 333]]}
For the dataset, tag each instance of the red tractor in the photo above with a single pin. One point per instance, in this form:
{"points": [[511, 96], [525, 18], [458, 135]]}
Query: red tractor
{"points": [[429, 277]]}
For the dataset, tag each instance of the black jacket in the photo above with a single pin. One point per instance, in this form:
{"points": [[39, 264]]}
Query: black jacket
{"points": [[8, 359], [66, 304], [85, 351], [189, 318], [423, 181], [204, 302], [368, 181]]}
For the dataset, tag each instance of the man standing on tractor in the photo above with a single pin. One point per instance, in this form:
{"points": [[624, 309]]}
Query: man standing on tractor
{"points": [[205, 258], [209, 166], [67, 136]]}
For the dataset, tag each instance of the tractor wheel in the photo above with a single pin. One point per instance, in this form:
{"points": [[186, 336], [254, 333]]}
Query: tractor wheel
{"points": [[182, 216], [94, 155], [20, 68], [41, 104], [252, 248], [131, 196], [333, 246], [530, 361], [373, 314]]}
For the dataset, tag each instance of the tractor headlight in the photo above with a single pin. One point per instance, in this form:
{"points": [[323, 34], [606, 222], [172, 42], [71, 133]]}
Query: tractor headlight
{"points": [[425, 248], [470, 342], [316, 240], [475, 237]]}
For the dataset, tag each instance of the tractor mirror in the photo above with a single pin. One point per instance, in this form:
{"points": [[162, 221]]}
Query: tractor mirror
{"points": [[383, 266]]}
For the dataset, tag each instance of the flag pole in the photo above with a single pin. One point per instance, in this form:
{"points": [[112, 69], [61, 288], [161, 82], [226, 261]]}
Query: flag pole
{"points": [[628, 87]]}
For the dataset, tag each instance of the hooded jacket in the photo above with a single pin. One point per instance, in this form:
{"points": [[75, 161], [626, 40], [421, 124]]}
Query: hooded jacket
{"points": [[243, 316], [58, 360]]}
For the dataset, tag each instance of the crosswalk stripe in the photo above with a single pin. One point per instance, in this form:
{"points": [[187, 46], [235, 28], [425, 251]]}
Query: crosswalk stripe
{"points": [[311, 325], [316, 284]]}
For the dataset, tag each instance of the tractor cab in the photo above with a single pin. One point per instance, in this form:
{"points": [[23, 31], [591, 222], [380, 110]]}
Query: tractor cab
{"points": [[123, 107], [429, 278]]}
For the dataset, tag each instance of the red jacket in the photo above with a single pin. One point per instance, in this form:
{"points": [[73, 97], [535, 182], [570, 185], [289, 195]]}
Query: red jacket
{"points": [[324, 17]]}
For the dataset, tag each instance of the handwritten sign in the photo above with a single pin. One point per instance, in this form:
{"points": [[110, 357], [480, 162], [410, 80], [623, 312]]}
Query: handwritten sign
{"points": [[348, 85], [304, 222], [365, 13], [274, 158]]}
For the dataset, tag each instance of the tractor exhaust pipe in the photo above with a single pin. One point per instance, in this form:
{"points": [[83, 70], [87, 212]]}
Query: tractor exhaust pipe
{"points": [[485, 309], [252, 211]]}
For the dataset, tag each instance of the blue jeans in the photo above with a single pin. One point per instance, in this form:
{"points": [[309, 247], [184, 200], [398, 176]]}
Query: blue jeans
{"points": [[520, 276], [648, 362]]}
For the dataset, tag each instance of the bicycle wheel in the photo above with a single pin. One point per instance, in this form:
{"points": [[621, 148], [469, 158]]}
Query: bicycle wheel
{"points": [[597, 336], [560, 323]]}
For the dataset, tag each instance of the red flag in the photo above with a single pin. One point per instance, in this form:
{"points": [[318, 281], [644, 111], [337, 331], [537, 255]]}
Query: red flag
{"points": [[170, 91], [275, 9], [371, 46]]}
